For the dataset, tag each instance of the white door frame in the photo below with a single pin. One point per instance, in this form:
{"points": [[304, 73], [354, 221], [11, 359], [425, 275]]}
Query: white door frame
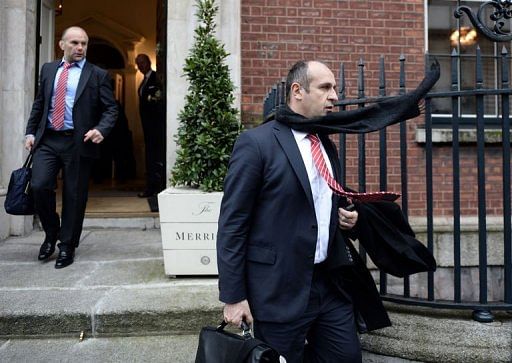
{"points": [[47, 32]]}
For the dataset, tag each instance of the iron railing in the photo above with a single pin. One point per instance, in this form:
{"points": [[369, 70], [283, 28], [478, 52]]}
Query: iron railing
{"points": [[483, 307]]}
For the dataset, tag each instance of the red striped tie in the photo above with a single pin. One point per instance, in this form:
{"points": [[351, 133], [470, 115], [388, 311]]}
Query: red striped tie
{"points": [[60, 98], [318, 159]]}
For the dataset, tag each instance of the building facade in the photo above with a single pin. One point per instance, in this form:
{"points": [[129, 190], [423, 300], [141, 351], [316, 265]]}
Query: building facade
{"points": [[264, 38]]}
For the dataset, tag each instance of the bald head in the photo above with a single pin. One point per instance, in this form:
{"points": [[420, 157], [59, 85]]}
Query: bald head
{"points": [[143, 63], [74, 43], [73, 29]]}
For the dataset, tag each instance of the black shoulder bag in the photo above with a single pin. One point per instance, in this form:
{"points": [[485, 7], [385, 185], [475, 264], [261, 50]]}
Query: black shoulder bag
{"points": [[219, 346], [19, 200]]}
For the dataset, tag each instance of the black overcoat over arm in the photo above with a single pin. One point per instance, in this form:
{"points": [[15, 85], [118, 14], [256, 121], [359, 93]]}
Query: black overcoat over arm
{"points": [[390, 241]]}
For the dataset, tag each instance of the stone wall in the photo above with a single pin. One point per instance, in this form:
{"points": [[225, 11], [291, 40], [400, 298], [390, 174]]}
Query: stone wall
{"points": [[17, 66], [276, 34], [443, 252]]}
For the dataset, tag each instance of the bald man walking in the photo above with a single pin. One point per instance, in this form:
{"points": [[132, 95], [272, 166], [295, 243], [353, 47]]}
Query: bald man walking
{"points": [[73, 112]]}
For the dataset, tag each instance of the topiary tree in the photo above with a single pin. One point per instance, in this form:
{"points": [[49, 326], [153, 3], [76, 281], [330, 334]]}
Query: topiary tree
{"points": [[208, 122]]}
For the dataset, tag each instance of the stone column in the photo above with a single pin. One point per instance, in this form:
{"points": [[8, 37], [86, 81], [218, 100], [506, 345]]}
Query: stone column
{"points": [[17, 68], [180, 29], [229, 30]]}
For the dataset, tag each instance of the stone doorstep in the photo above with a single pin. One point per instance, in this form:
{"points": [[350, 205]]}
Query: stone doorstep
{"points": [[168, 308], [134, 323], [115, 221], [417, 333], [442, 335], [121, 221]]}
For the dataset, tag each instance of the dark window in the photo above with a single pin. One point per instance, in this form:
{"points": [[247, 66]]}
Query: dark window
{"points": [[104, 55]]}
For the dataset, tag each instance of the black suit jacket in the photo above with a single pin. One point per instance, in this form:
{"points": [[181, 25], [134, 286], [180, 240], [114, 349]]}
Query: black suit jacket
{"points": [[150, 99], [267, 234], [94, 106], [267, 227]]}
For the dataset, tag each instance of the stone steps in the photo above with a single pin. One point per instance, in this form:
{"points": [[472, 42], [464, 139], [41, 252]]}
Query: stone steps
{"points": [[116, 286]]}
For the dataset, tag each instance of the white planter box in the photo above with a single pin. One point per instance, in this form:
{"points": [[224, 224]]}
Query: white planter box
{"points": [[188, 223]]}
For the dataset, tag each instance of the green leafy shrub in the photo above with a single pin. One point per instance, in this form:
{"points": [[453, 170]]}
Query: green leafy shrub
{"points": [[208, 123]]}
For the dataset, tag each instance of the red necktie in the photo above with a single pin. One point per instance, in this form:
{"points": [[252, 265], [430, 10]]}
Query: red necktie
{"points": [[318, 159], [60, 98]]}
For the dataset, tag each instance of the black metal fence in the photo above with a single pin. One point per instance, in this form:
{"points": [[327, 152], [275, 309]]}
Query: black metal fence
{"points": [[481, 307]]}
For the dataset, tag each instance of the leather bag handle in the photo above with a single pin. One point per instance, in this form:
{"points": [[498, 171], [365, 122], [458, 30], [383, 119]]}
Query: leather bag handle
{"points": [[246, 329], [28, 161]]}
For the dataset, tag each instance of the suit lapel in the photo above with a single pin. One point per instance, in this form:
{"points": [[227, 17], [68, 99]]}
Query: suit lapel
{"points": [[285, 138], [331, 153], [145, 82], [84, 77], [48, 91]]}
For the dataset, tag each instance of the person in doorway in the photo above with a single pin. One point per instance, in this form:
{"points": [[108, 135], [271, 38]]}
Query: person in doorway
{"points": [[73, 112], [153, 126], [122, 148]]}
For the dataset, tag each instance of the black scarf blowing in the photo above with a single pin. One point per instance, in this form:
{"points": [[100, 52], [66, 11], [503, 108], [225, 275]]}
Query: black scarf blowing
{"points": [[367, 119]]}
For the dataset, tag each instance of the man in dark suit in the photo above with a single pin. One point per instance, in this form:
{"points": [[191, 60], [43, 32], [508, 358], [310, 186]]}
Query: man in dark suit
{"points": [[277, 224], [153, 125], [73, 112]]}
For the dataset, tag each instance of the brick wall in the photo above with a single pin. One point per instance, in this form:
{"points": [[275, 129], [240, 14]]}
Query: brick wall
{"points": [[277, 33]]}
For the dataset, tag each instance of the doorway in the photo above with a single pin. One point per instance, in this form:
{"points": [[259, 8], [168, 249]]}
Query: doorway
{"points": [[118, 30]]}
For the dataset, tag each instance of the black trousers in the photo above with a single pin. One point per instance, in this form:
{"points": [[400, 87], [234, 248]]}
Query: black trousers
{"points": [[154, 140], [57, 151], [327, 325]]}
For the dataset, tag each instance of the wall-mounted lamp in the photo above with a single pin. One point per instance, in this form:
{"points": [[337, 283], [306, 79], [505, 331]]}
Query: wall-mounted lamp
{"points": [[465, 35], [58, 7]]}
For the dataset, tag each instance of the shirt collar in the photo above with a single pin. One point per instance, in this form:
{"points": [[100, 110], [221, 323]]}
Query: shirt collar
{"points": [[299, 135], [79, 64]]}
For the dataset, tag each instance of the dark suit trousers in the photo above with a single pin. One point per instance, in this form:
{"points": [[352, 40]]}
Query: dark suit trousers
{"points": [[57, 151], [327, 324], [154, 140]]}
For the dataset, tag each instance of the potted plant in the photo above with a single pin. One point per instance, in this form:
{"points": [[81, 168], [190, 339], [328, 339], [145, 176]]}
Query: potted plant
{"points": [[208, 129]]}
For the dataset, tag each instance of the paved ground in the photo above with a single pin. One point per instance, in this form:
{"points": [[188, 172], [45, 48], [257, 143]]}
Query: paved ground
{"points": [[155, 349], [116, 287], [116, 296]]}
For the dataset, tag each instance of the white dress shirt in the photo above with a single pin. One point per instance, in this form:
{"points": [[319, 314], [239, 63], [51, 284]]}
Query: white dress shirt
{"points": [[322, 194]]}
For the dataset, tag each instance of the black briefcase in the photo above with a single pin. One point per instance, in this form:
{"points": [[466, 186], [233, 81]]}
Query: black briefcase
{"points": [[19, 200], [219, 346]]}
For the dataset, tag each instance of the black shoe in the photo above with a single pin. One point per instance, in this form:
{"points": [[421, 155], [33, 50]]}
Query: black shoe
{"points": [[145, 194], [46, 250], [65, 258]]}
